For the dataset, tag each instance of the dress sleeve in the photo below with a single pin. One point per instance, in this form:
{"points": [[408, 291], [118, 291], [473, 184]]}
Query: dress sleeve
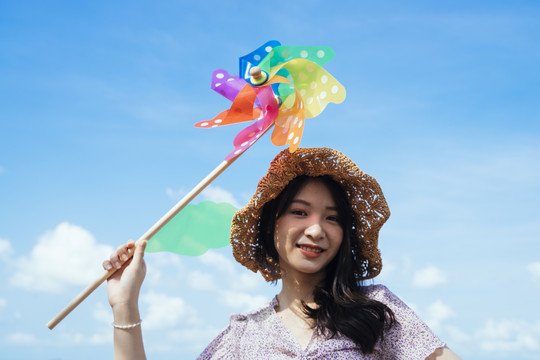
{"points": [[224, 346], [410, 338]]}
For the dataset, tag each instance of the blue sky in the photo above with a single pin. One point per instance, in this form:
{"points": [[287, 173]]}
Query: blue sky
{"points": [[97, 102]]}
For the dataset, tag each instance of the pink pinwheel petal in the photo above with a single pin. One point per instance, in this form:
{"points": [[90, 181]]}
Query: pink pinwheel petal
{"points": [[269, 105], [223, 119], [247, 137]]}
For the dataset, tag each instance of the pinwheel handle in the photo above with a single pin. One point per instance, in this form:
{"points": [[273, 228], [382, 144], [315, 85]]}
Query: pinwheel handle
{"points": [[146, 236]]}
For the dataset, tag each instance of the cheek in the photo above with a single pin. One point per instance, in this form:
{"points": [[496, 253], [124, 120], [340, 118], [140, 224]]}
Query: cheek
{"points": [[337, 240], [279, 240], [337, 236], [276, 236], [281, 231]]}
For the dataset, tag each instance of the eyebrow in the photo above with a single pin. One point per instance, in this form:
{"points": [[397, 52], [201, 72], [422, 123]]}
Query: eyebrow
{"points": [[307, 203]]}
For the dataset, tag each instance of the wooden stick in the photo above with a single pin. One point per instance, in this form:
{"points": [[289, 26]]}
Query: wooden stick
{"points": [[146, 236]]}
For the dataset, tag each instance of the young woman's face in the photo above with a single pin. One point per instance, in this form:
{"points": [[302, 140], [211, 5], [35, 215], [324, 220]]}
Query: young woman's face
{"points": [[308, 234]]}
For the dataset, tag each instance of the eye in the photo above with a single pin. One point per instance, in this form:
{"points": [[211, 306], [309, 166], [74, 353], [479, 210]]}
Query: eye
{"points": [[333, 218], [298, 212]]}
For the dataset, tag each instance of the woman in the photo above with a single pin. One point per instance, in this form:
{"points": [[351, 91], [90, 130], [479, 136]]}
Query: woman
{"points": [[314, 224]]}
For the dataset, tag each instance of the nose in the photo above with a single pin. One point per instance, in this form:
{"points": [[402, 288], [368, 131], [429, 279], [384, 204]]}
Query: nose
{"points": [[314, 231]]}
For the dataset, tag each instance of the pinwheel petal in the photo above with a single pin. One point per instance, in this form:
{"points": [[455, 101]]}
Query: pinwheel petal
{"points": [[316, 86], [218, 120], [254, 58], [296, 88], [227, 85], [249, 135], [282, 54], [289, 125]]}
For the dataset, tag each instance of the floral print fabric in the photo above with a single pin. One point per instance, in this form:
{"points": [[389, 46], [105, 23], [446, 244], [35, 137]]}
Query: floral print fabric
{"points": [[261, 334]]}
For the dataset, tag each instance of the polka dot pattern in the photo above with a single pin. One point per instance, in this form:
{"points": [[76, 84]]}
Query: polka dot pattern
{"points": [[226, 85], [289, 125], [315, 85], [255, 57], [320, 55], [304, 90]]}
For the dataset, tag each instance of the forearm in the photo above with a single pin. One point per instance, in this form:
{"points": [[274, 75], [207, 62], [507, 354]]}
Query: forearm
{"points": [[128, 343], [443, 354]]}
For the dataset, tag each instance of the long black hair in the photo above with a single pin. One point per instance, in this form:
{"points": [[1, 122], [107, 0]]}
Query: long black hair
{"points": [[342, 305]]}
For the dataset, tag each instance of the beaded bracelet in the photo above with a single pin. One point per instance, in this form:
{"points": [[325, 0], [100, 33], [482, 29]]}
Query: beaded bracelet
{"points": [[130, 326]]}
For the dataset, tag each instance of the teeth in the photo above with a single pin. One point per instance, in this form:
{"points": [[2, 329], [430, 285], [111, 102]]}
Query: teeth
{"points": [[306, 248]]}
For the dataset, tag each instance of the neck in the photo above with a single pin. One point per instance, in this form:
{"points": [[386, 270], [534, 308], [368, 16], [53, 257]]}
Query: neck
{"points": [[296, 289]]}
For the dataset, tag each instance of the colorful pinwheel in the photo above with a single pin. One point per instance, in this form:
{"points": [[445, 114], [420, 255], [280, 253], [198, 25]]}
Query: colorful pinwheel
{"points": [[277, 85]]}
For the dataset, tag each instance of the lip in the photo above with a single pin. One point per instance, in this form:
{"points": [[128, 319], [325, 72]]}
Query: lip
{"points": [[310, 254]]}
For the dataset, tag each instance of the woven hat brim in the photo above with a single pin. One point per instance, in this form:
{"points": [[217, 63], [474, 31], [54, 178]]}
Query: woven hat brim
{"points": [[366, 199]]}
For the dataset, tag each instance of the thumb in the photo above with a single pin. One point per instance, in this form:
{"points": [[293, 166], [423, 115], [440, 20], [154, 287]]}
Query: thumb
{"points": [[139, 251]]}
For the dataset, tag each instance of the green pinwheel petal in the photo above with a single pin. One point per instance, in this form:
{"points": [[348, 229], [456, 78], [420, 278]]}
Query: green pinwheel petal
{"points": [[195, 229]]}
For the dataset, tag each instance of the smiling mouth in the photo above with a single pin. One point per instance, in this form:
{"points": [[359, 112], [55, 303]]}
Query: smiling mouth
{"points": [[316, 250]]}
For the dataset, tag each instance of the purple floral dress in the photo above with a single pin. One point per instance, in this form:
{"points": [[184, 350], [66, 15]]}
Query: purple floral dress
{"points": [[261, 334]]}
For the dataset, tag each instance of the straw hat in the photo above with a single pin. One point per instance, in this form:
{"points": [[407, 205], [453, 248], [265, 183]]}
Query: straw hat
{"points": [[365, 196]]}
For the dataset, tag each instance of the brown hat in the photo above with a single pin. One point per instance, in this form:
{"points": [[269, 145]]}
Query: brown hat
{"points": [[365, 196]]}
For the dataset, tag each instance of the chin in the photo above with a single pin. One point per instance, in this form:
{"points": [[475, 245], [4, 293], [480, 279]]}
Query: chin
{"points": [[310, 269]]}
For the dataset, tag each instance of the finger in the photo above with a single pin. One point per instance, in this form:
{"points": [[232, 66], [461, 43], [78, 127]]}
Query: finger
{"points": [[115, 260], [122, 254], [107, 265], [139, 251]]}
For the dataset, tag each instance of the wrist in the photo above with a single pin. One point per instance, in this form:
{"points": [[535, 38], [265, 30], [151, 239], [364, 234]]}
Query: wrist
{"points": [[126, 313]]}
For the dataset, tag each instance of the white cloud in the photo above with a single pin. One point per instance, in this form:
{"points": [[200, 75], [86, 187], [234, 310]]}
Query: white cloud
{"points": [[191, 339], [218, 195], [161, 267], [102, 337], [175, 195], [429, 277], [457, 335], [166, 311], [102, 314], [437, 313], [210, 193], [195, 338], [65, 256], [218, 261], [21, 338], [509, 336], [247, 280], [233, 284], [199, 280], [99, 338], [534, 269], [387, 269], [5, 249], [240, 300], [102, 334]]}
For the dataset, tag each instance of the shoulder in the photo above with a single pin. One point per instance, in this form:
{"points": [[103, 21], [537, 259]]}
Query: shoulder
{"points": [[243, 330], [381, 293], [410, 337], [375, 289], [257, 314]]}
